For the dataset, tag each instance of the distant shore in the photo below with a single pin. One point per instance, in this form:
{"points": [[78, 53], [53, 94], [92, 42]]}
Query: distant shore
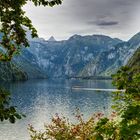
{"points": [[92, 77]]}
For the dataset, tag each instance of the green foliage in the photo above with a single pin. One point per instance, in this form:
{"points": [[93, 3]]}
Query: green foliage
{"points": [[134, 62], [13, 23], [7, 112], [128, 103]]}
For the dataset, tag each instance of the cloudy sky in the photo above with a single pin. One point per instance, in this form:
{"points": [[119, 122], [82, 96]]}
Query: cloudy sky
{"points": [[116, 18]]}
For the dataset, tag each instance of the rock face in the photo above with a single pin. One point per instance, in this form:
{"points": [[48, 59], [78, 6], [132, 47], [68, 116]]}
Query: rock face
{"points": [[82, 56], [28, 63], [63, 58], [109, 61]]}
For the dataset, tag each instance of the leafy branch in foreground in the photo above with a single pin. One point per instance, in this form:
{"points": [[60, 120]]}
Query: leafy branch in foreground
{"points": [[13, 22], [128, 103], [7, 112], [13, 26]]}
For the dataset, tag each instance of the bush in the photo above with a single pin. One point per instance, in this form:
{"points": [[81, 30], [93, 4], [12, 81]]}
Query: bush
{"points": [[97, 127]]}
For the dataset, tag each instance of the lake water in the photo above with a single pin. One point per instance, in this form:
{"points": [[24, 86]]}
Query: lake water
{"points": [[39, 100]]}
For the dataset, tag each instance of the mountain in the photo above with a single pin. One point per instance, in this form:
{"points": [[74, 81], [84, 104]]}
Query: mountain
{"points": [[79, 56], [134, 62], [109, 61], [28, 63], [10, 72], [51, 39], [63, 58], [119, 40]]}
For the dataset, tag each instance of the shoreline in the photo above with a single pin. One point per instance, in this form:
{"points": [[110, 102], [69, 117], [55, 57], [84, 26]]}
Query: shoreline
{"points": [[92, 78]]}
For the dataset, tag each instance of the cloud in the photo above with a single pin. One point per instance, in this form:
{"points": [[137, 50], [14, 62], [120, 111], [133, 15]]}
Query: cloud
{"points": [[86, 17], [103, 23]]}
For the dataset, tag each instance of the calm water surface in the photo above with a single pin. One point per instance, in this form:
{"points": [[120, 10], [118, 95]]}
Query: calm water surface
{"points": [[39, 100]]}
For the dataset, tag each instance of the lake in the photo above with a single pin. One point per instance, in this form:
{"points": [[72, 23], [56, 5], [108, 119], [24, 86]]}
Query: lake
{"points": [[39, 100]]}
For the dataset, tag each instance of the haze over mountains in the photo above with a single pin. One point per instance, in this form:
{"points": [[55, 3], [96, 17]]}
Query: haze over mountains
{"points": [[79, 56]]}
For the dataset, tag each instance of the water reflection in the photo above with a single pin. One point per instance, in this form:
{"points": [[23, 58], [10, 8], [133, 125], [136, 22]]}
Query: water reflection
{"points": [[39, 100]]}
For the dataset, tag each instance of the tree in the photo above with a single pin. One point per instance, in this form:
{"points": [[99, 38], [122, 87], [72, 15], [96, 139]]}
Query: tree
{"points": [[13, 23], [128, 103]]}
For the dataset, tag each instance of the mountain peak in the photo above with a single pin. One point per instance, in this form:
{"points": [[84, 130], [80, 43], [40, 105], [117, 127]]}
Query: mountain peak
{"points": [[51, 39]]}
